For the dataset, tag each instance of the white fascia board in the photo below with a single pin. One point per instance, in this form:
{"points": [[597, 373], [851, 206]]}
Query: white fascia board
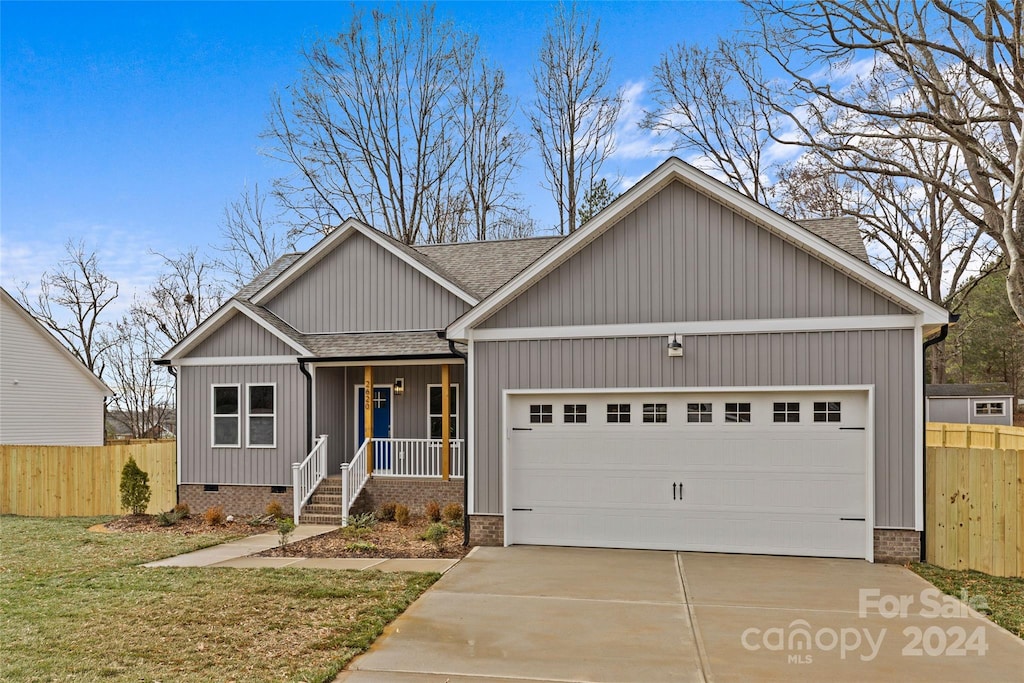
{"points": [[833, 324], [761, 389], [222, 315], [672, 170], [237, 360], [55, 343], [335, 238]]}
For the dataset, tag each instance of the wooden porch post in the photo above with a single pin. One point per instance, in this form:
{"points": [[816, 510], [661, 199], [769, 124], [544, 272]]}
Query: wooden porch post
{"points": [[446, 420], [368, 415]]}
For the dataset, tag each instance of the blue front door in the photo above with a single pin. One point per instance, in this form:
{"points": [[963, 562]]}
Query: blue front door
{"points": [[381, 425]]}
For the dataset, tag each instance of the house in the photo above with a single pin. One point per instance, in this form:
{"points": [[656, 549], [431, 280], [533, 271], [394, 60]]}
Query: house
{"points": [[47, 395], [119, 424], [987, 404], [688, 370]]}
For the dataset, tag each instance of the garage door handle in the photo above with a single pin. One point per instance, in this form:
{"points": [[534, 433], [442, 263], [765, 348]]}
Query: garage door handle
{"points": [[522, 509], [852, 519], [852, 429], [522, 429], [680, 485]]}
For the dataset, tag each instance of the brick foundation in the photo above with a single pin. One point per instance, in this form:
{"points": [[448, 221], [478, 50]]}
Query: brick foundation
{"points": [[897, 546], [486, 530], [411, 492], [237, 500]]}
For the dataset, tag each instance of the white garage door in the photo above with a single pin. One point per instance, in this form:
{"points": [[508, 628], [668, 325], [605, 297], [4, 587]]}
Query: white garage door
{"points": [[774, 473]]}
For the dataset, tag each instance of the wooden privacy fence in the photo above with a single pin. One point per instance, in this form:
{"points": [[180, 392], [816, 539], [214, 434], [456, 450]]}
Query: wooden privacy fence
{"points": [[82, 481], [974, 509], [950, 434]]}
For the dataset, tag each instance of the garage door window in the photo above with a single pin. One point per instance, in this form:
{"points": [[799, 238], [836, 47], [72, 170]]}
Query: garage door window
{"points": [[698, 412], [540, 414], [737, 412], [785, 412], [655, 413], [618, 413], [827, 411], [575, 413]]}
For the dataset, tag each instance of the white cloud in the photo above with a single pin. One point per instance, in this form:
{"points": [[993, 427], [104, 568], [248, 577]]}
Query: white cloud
{"points": [[633, 143]]}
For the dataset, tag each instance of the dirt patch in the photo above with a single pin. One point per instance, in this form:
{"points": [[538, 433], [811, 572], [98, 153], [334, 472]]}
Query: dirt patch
{"points": [[384, 539], [189, 526]]}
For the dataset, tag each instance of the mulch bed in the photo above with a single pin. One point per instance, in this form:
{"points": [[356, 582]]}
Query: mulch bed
{"points": [[190, 526], [388, 539]]}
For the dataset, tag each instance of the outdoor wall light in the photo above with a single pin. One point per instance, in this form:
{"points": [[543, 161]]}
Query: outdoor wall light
{"points": [[399, 386], [675, 346]]}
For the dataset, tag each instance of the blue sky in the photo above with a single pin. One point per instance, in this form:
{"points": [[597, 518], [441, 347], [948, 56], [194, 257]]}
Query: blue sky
{"points": [[131, 125]]}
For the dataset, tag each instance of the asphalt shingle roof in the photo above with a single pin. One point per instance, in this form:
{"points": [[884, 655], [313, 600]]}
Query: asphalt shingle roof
{"points": [[842, 232], [483, 267], [376, 344], [987, 389]]}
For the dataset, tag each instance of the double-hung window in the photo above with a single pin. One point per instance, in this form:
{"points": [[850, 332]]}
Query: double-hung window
{"points": [[434, 396], [226, 416], [261, 419]]}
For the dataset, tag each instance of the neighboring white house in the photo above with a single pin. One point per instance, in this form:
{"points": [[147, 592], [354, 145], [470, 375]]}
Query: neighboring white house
{"points": [[47, 396]]}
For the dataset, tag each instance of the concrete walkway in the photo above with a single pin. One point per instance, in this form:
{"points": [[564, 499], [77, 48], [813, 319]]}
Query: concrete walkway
{"points": [[575, 614], [238, 553]]}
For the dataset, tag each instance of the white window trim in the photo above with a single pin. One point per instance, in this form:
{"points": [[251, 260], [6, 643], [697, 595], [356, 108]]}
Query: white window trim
{"points": [[454, 411], [1000, 402], [249, 415], [214, 416]]}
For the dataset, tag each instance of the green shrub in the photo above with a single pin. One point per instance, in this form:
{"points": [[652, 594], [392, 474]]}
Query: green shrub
{"points": [[182, 510], [433, 511], [452, 513], [135, 492], [260, 520], [167, 518], [436, 534], [386, 513], [285, 527], [401, 514], [274, 510], [361, 546], [214, 516], [364, 521]]}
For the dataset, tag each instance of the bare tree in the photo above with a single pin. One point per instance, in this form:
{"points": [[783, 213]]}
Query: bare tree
{"points": [[704, 103], [182, 297], [952, 69], [372, 129], [492, 146], [250, 243], [144, 394], [71, 302], [575, 112]]}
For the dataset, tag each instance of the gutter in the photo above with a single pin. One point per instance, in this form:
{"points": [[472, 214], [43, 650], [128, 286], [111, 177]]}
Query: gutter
{"points": [[358, 359], [464, 400], [940, 337]]}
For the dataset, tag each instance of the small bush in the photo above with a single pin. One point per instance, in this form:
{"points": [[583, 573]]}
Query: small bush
{"points": [[214, 516], [386, 513], [260, 520], [401, 514], [433, 511], [436, 534], [135, 491], [167, 518], [182, 510], [285, 527], [452, 513], [274, 510], [360, 546], [364, 521]]}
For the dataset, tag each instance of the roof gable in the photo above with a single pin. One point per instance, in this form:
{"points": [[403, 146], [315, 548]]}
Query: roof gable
{"points": [[224, 314], [675, 170]]}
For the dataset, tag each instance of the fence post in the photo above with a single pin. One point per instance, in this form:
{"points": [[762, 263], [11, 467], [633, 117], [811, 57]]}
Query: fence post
{"points": [[295, 491], [344, 494]]}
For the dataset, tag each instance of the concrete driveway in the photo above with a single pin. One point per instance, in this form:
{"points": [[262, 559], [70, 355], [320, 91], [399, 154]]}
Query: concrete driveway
{"points": [[577, 614]]}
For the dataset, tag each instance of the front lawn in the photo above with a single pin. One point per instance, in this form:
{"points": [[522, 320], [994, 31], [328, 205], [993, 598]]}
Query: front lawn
{"points": [[1004, 596], [74, 606]]}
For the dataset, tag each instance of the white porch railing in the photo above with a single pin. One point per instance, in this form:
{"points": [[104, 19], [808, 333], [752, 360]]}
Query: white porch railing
{"points": [[415, 458], [353, 478], [308, 474]]}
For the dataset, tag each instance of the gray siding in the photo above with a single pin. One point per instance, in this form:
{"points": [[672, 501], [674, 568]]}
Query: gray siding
{"points": [[683, 257], [882, 358], [241, 336], [203, 464], [336, 412], [362, 287], [960, 409]]}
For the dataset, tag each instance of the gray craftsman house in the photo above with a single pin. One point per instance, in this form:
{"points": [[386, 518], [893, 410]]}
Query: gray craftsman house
{"points": [[689, 370]]}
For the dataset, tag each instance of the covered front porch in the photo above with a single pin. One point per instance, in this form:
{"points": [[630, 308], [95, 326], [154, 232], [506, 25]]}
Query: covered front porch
{"points": [[385, 418]]}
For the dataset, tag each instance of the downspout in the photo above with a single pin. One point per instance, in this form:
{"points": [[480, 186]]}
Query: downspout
{"points": [[940, 337], [463, 410], [309, 405]]}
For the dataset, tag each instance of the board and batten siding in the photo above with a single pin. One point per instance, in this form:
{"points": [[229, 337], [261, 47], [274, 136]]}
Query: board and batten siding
{"points": [[883, 358], [680, 257], [362, 287], [201, 463], [336, 410], [45, 397], [241, 336]]}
